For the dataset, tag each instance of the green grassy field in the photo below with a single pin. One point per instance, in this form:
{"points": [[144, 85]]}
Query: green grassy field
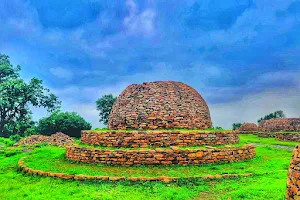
{"points": [[272, 156]]}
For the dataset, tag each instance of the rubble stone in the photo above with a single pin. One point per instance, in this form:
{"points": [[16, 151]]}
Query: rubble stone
{"points": [[59, 139]]}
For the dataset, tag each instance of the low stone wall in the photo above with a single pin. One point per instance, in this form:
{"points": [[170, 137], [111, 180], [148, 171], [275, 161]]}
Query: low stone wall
{"points": [[157, 138], [288, 136], [166, 179], [293, 180], [280, 124], [266, 134], [173, 156]]}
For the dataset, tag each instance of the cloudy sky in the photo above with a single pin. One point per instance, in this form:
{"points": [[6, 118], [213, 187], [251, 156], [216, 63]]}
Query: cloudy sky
{"points": [[241, 55]]}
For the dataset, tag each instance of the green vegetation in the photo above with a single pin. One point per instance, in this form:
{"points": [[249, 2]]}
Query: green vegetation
{"points": [[248, 138], [15, 185], [236, 126], [104, 106], [16, 97], [70, 123], [276, 114], [53, 159]]}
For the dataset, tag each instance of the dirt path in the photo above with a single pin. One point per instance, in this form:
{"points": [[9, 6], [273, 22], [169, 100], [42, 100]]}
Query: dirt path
{"points": [[277, 146]]}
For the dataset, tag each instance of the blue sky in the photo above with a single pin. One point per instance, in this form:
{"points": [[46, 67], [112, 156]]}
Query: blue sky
{"points": [[242, 56]]}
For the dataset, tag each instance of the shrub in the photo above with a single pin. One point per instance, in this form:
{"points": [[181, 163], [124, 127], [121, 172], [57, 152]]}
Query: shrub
{"points": [[236, 126], [15, 138], [70, 123], [30, 131]]}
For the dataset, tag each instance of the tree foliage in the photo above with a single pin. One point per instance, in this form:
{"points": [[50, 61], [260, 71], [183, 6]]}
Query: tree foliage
{"points": [[104, 105], [69, 123], [16, 96], [276, 114], [236, 126]]}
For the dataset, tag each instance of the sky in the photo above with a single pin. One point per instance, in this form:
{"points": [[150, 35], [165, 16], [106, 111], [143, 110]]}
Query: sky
{"points": [[242, 56]]}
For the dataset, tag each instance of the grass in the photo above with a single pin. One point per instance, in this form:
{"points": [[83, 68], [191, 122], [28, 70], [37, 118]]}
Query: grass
{"points": [[53, 159], [14, 185], [248, 138]]}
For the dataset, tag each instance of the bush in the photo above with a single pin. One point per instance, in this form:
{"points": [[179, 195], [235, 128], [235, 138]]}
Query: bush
{"points": [[70, 123], [236, 126], [30, 131], [6, 142], [15, 138]]}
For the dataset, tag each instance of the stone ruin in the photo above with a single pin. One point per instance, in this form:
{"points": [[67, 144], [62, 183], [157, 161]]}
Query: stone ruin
{"points": [[248, 128], [279, 124], [149, 108], [59, 139], [293, 180], [160, 105], [269, 128]]}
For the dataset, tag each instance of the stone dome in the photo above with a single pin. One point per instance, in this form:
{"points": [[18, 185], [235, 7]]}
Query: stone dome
{"points": [[159, 105], [248, 127]]}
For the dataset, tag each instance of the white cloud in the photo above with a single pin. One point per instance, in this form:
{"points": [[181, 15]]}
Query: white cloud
{"points": [[253, 107], [62, 73], [139, 23]]}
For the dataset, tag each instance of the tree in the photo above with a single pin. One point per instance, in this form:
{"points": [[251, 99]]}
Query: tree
{"points": [[276, 114], [16, 96], [69, 123], [236, 126], [104, 105]]}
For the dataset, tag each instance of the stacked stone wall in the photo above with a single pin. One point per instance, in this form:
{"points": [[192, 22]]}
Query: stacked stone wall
{"points": [[157, 138], [288, 136], [293, 180], [280, 124], [173, 156], [159, 105]]}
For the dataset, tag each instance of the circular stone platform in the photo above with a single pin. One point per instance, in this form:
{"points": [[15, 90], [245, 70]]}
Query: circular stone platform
{"points": [[173, 156], [159, 105], [158, 138]]}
